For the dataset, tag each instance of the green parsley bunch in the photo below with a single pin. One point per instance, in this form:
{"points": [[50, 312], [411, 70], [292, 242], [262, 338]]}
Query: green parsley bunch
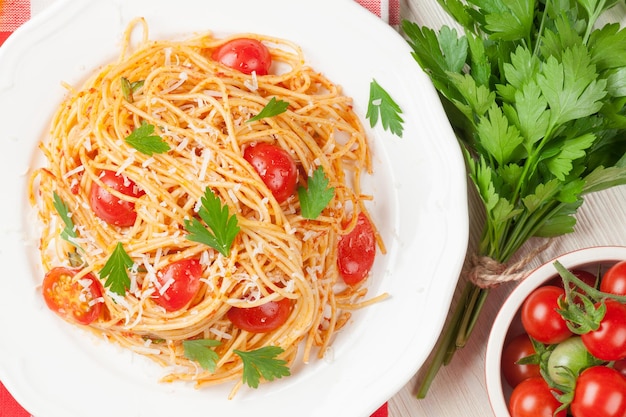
{"points": [[535, 91]]}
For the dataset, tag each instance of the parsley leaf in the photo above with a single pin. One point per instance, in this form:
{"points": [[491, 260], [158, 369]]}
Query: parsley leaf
{"points": [[115, 270], [262, 362], [272, 108], [144, 140], [199, 350], [223, 227], [382, 105], [68, 232], [129, 88], [315, 198]]}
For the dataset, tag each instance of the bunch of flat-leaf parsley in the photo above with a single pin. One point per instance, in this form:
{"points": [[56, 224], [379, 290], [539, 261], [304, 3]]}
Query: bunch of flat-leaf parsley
{"points": [[535, 91]]}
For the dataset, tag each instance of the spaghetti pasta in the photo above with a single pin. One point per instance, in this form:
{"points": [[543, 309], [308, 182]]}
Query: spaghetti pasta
{"points": [[201, 110]]}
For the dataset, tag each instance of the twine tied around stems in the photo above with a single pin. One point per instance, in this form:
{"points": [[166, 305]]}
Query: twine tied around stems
{"points": [[486, 272]]}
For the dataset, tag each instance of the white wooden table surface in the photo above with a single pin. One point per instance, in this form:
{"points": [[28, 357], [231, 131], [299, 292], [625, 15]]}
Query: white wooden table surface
{"points": [[459, 389]]}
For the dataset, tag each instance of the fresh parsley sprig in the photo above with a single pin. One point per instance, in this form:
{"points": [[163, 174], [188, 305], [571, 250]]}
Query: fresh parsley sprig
{"points": [[272, 108], [222, 227], [115, 270], [68, 233], [199, 350], [535, 95], [145, 141], [262, 362], [129, 88], [317, 195], [382, 106]]}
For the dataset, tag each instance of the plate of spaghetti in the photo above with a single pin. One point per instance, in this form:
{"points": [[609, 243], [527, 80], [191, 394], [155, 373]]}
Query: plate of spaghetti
{"points": [[205, 218]]}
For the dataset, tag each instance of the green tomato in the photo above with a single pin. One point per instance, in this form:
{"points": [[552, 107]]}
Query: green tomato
{"points": [[568, 359]]}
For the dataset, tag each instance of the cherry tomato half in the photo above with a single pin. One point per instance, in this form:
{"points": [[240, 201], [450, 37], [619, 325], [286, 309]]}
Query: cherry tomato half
{"points": [[276, 168], [245, 55], [356, 251], [109, 207], [517, 348], [540, 317], [600, 392], [263, 318], [614, 279], [75, 300], [179, 283], [608, 342], [533, 397]]}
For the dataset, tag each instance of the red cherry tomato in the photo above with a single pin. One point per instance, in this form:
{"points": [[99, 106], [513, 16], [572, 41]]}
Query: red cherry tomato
{"points": [[585, 276], [608, 342], [356, 252], [614, 279], [540, 317], [75, 300], [109, 207], [600, 392], [245, 55], [517, 348], [534, 398], [276, 168], [263, 318], [179, 283]]}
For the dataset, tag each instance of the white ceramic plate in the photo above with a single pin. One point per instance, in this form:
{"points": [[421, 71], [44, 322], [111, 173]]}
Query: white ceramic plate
{"points": [[57, 370]]}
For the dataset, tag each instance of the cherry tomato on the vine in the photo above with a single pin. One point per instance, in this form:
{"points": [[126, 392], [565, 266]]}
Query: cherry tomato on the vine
{"points": [[614, 279], [517, 348], [540, 317], [263, 318], [533, 397], [178, 284], [276, 167], [74, 299], [245, 55], [111, 208], [600, 392], [356, 251], [608, 342], [583, 275]]}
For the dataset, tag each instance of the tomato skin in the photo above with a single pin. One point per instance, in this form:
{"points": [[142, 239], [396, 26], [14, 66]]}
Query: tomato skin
{"points": [[356, 251], [245, 55], [534, 398], [585, 276], [540, 318], [614, 279], [600, 392], [263, 318], [608, 342], [110, 208], [276, 167], [517, 348], [571, 354], [182, 279], [72, 299]]}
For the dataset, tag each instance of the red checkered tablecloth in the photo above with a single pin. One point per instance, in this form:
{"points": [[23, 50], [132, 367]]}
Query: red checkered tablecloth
{"points": [[14, 13]]}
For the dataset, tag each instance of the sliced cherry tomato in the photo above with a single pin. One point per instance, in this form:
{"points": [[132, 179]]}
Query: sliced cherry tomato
{"points": [[518, 348], [608, 342], [540, 317], [179, 283], [263, 318], [533, 397], [600, 392], [276, 168], [245, 55], [74, 299], [110, 208], [614, 279], [356, 251]]}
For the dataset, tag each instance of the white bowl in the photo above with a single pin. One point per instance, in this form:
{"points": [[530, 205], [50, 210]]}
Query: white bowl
{"points": [[507, 323]]}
